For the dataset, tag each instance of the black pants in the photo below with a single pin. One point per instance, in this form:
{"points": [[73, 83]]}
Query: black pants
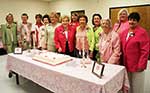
{"points": [[2, 51], [67, 52], [95, 52], [80, 55], [67, 48]]}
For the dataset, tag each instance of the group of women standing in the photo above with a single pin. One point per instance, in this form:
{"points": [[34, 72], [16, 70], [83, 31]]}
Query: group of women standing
{"points": [[102, 42]]}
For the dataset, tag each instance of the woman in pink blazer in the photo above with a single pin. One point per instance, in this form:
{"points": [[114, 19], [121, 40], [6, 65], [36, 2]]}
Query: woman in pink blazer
{"points": [[64, 37], [135, 46], [109, 44]]}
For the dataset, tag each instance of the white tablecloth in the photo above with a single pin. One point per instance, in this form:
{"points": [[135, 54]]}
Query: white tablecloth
{"points": [[69, 77]]}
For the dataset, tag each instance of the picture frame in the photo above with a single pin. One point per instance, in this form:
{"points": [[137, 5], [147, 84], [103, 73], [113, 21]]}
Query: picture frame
{"points": [[18, 50], [80, 12], [59, 16], [98, 69]]}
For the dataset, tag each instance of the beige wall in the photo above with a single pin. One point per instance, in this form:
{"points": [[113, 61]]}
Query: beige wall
{"points": [[66, 6], [118, 3], [32, 7], [17, 7], [91, 6]]}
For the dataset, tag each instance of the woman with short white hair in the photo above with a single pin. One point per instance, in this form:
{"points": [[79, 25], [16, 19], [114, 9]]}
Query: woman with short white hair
{"points": [[109, 44]]}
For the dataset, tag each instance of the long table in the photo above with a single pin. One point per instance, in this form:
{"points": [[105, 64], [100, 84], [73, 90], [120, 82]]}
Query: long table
{"points": [[69, 77]]}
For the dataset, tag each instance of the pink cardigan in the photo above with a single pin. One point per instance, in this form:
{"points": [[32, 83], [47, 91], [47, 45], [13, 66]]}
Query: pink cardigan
{"points": [[122, 27], [110, 52], [135, 49]]}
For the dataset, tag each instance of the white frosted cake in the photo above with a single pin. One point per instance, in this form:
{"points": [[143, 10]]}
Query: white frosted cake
{"points": [[51, 58]]}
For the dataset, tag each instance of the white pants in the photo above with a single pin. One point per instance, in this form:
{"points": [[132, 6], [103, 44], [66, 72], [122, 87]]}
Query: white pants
{"points": [[136, 82]]}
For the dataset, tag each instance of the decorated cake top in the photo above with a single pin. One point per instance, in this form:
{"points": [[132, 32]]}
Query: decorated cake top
{"points": [[51, 58]]}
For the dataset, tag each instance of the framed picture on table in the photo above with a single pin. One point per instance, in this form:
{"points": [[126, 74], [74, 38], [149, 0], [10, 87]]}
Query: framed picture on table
{"points": [[98, 69], [18, 50]]}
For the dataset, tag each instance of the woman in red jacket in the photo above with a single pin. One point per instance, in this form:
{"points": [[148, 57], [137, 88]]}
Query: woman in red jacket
{"points": [[64, 37], [135, 46]]}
